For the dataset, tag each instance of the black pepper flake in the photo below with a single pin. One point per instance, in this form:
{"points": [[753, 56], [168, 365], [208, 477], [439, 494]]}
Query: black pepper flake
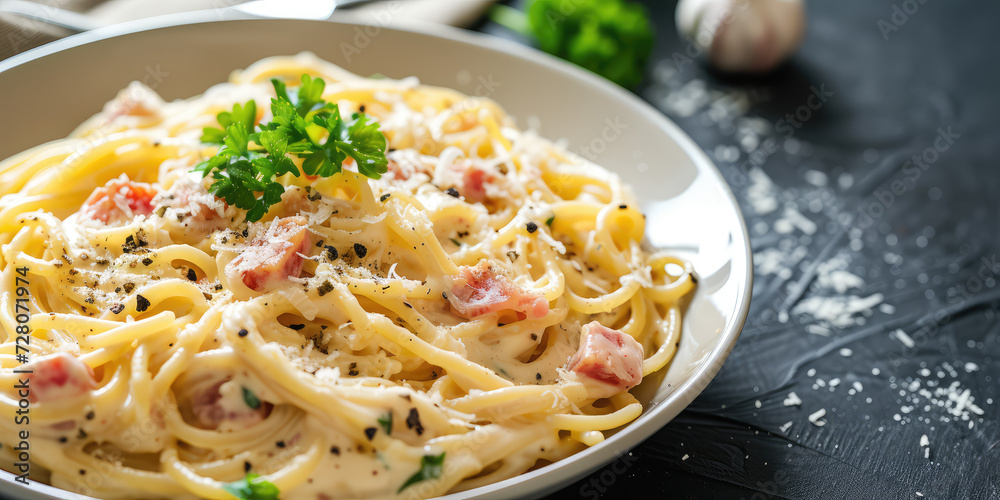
{"points": [[444, 295], [352, 370], [82, 434], [280, 444], [141, 303], [325, 288], [452, 192], [534, 336], [73, 272], [102, 262], [129, 287], [370, 433], [335, 450], [532, 227], [245, 233], [361, 108], [360, 250], [296, 327], [147, 261], [90, 415], [331, 253], [89, 300], [63, 439], [319, 244], [191, 275], [694, 279], [413, 421], [243, 332], [538, 376], [384, 197], [83, 472], [246, 466], [129, 245], [434, 374], [218, 287], [623, 207], [407, 304]]}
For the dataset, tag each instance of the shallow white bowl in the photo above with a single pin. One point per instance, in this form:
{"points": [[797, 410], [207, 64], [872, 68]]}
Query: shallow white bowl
{"points": [[46, 92]]}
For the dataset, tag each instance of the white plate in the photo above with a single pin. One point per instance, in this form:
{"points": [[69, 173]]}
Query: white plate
{"points": [[46, 92]]}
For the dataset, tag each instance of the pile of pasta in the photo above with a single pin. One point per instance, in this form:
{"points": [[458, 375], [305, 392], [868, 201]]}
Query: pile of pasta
{"points": [[426, 345]]}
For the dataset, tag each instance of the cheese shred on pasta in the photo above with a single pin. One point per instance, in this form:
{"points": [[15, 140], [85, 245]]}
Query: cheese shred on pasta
{"points": [[481, 310]]}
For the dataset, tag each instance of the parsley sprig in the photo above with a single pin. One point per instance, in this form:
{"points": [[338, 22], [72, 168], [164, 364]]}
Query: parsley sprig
{"points": [[251, 156]]}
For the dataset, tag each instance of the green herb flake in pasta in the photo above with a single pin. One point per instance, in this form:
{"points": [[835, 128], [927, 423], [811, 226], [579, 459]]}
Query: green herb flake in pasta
{"points": [[385, 421], [431, 467], [252, 487], [250, 399]]}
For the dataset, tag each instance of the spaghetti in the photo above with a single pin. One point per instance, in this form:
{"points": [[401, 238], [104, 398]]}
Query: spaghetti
{"points": [[479, 311]]}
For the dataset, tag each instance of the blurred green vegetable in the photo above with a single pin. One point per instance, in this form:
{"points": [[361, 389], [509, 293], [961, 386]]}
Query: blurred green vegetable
{"points": [[612, 38]]}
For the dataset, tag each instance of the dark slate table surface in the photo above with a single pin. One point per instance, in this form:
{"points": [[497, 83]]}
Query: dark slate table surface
{"points": [[890, 174]]}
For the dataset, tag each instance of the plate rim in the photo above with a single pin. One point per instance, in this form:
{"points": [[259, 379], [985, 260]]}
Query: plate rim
{"points": [[563, 472]]}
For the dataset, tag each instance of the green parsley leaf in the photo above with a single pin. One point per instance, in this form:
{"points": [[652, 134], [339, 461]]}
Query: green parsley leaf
{"points": [[245, 116], [250, 399], [430, 468], [251, 157], [252, 487], [385, 421], [550, 220]]}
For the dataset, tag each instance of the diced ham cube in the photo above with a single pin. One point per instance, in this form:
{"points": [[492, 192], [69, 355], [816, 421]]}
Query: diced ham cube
{"points": [[119, 201], [273, 255], [58, 377], [610, 357], [481, 290], [474, 182], [220, 404]]}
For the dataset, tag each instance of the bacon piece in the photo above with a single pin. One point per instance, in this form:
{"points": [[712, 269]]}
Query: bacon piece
{"points": [[609, 356], [58, 377], [120, 200], [474, 184], [220, 404], [273, 255], [481, 290]]}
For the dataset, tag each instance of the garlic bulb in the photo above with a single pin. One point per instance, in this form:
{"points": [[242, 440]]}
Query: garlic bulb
{"points": [[747, 36]]}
